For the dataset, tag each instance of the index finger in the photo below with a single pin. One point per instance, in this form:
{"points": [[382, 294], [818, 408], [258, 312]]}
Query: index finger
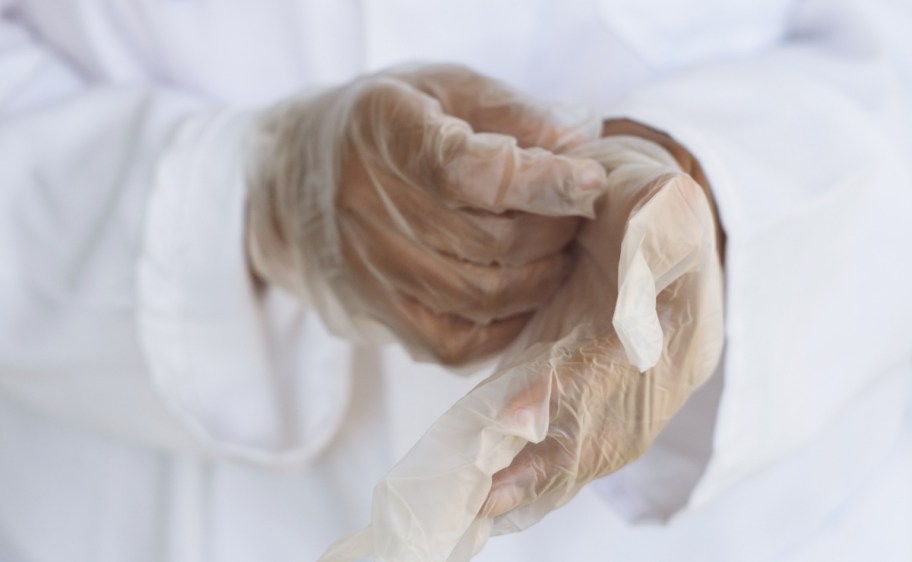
{"points": [[490, 105], [406, 133], [492, 173]]}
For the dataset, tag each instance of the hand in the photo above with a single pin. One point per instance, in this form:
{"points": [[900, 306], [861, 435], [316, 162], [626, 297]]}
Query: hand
{"points": [[601, 411], [429, 200], [634, 329]]}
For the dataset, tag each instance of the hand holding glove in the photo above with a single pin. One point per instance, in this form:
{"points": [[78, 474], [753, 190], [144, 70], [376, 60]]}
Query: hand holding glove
{"points": [[602, 367], [614, 376], [428, 201]]}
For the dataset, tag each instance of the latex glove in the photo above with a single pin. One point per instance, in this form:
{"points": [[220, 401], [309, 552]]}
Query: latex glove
{"points": [[684, 158], [634, 330], [424, 200], [602, 412]]}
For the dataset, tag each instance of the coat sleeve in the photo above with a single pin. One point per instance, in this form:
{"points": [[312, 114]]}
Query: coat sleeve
{"points": [[125, 300], [806, 144]]}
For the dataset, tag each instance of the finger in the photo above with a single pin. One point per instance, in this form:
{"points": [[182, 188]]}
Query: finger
{"points": [[689, 164], [653, 258], [490, 172], [533, 124], [405, 132], [480, 237], [536, 471], [512, 238], [489, 105], [445, 284], [518, 238], [452, 339]]}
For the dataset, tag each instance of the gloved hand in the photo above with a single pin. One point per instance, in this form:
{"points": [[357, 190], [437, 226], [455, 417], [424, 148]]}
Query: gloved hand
{"points": [[602, 412], [427, 200], [601, 368]]}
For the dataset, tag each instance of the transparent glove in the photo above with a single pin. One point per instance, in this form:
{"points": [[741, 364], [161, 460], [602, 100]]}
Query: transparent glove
{"points": [[614, 376], [428, 201], [600, 370]]}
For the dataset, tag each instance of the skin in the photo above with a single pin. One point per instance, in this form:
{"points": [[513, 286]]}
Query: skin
{"points": [[478, 253], [587, 438], [453, 209]]}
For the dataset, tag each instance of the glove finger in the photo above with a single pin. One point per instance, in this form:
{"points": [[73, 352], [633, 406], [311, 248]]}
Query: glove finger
{"points": [[382, 255], [539, 469], [486, 238], [399, 130], [490, 172], [512, 238], [489, 105], [452, 339]]}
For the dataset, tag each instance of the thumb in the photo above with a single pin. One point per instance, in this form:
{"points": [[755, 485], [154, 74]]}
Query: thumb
{"points": [[535, 472], [664, 239], [512, 487]]}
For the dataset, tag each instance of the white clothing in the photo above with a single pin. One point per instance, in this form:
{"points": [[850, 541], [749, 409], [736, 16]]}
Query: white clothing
{"points": [[153, 406]]}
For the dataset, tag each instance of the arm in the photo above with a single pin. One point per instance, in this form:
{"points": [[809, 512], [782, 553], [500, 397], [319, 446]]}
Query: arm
{"points": [[126, 302]]}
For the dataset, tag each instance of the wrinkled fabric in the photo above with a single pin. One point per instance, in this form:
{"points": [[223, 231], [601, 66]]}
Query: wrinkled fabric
{"points": [[425, 200], [602, 368]]}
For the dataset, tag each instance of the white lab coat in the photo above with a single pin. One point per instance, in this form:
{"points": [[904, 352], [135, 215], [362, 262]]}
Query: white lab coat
{"points": [[153, 406]]}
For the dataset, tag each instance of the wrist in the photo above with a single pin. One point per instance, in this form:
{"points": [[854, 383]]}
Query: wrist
{"points": [[269, 238]]}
